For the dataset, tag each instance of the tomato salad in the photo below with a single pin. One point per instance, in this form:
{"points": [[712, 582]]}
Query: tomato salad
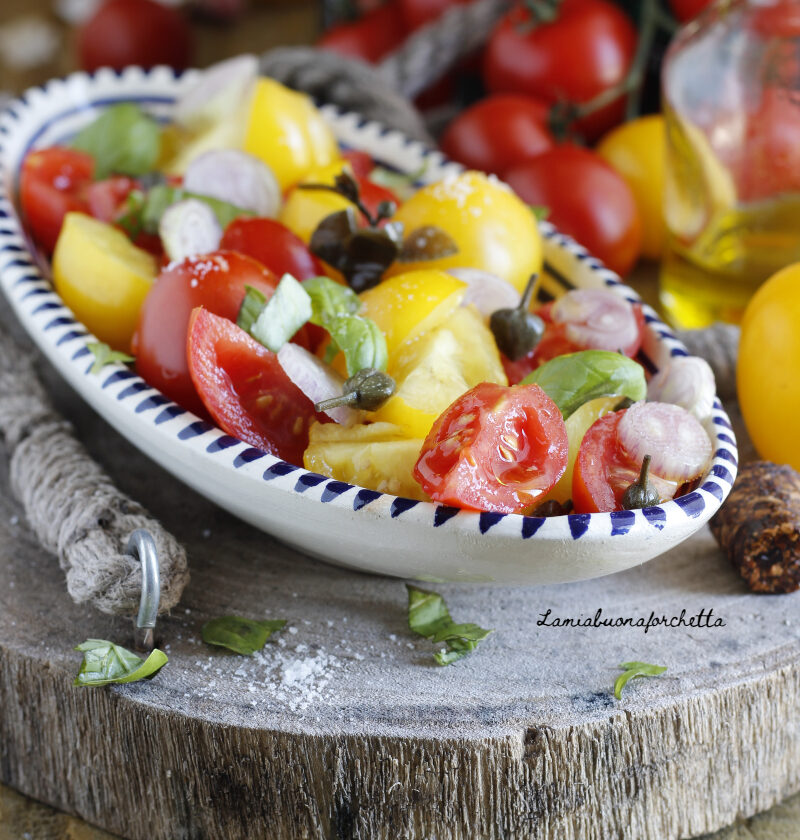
{"points": [[328, 312]]}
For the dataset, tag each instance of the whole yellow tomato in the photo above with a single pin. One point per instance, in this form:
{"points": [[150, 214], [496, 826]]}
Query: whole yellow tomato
{"points": [[637, 150], [768, 369], [493, 229]]}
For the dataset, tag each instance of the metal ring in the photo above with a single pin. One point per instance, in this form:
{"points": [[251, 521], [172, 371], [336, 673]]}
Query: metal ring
{"points": [[142, 546]]}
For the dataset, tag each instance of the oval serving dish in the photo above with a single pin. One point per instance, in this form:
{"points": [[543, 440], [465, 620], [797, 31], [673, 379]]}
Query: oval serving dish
{"points": [[338, 522]]}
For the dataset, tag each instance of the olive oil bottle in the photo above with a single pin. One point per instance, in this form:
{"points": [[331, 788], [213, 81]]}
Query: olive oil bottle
{"points": [[731, 91]]}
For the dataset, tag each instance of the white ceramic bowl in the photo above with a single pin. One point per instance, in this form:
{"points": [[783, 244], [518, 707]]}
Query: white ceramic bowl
{"points": [[338, 522]]}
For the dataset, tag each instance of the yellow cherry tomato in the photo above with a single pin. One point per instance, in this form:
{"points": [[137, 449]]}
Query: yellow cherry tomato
{"points": [[412, 303], [303, 210], [768, 367], [102, 277], [637, 150], [494, 230], [288, 133]]}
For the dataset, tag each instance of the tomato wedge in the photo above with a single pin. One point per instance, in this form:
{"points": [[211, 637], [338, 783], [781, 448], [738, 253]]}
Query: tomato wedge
{"points": [[603, 470], [496, 448], [53, 182], [217, 282], [245, 389], [273, 245]]}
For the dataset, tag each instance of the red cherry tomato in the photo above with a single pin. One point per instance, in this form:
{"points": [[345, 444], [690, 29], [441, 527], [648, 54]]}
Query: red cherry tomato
{"points": [[360, 162], [495, 448], [107, 198], [417, 13], [371, 37], [273, 245], [245, 389], [143, 32], [215, 282], [780, 19], [53, 182], [685, 10], [498, 132], [587, 49], [586, 198]]}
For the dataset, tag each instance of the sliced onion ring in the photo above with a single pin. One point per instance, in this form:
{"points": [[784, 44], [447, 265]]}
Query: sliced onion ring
{"points": [[189, 228], [485, 290], [598, 319], [236, 177], [316, 380], [678, 445], [687, 381]]}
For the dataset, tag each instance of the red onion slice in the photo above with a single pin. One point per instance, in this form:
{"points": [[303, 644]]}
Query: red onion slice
{"points": [[316, 380], [678, 445], [598, 319], [217, 94], [236, 177], [486, 291], [687, 381]]}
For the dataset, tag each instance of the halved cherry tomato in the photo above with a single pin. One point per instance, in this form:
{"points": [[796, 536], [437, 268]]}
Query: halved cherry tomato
{"points": [[495, 448], [53, 182], [360, 162], [216, 282], [603, 470], [245, 389], [273, 245], [106, 198]]}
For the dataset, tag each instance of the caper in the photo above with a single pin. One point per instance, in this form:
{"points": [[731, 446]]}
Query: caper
{"points": [[517, 331], [641, 494], [368, 389]]}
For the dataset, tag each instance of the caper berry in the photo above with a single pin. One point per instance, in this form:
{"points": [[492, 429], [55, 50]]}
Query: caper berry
{"points": [[517, 331], [641, 494], [368, 389]]}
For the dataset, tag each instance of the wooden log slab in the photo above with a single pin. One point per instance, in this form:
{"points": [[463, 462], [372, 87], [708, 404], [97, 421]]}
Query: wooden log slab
{"points": [[344, 728]]}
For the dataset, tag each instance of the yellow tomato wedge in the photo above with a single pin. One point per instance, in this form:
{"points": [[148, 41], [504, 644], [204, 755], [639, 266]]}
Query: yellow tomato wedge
{"points": [[411, 303], [379, 456], [303, 210], [285, 130], [493, 229], [102, 277], [436, 368]]}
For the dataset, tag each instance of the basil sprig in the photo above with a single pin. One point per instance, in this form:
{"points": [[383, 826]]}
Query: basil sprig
{"points": [[144, 209], [104, 355], [428, 616], [122, 140], [104, 663], [576, 378], [635, 669], [241, 635]]}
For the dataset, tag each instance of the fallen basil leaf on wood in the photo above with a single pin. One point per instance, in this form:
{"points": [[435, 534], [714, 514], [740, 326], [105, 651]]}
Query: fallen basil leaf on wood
{"points": [[104, 663], [428, 616], [632, 670], [104, 355], [241, 635], [122, 140], [575, 378]]}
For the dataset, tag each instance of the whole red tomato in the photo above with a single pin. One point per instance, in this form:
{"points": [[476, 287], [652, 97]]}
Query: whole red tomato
{"points": [[498, 132], [417, 13], [586, 199], [685, 10], [52, 183], [142, 32], [371, 37], [587, 49], [216, 282]]}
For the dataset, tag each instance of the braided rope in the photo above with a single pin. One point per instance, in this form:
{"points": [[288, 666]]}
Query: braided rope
{"points": [[71, 504]]}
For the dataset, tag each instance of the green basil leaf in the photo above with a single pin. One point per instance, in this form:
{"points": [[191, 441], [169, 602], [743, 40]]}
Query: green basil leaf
{"points": [[428, 616], [361, 341], [241, 635], [540, 213], [104, 663], [250, 309], [576, 378], [123, 139], [282, 315], [632, 670], [330, 299], [104, 355]]}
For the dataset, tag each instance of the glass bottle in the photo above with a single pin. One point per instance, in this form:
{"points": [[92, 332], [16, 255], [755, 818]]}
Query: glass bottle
{"points": [[731, 94]]}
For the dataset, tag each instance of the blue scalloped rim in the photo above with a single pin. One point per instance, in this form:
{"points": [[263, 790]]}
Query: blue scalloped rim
{"points": [[32, 291]]}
